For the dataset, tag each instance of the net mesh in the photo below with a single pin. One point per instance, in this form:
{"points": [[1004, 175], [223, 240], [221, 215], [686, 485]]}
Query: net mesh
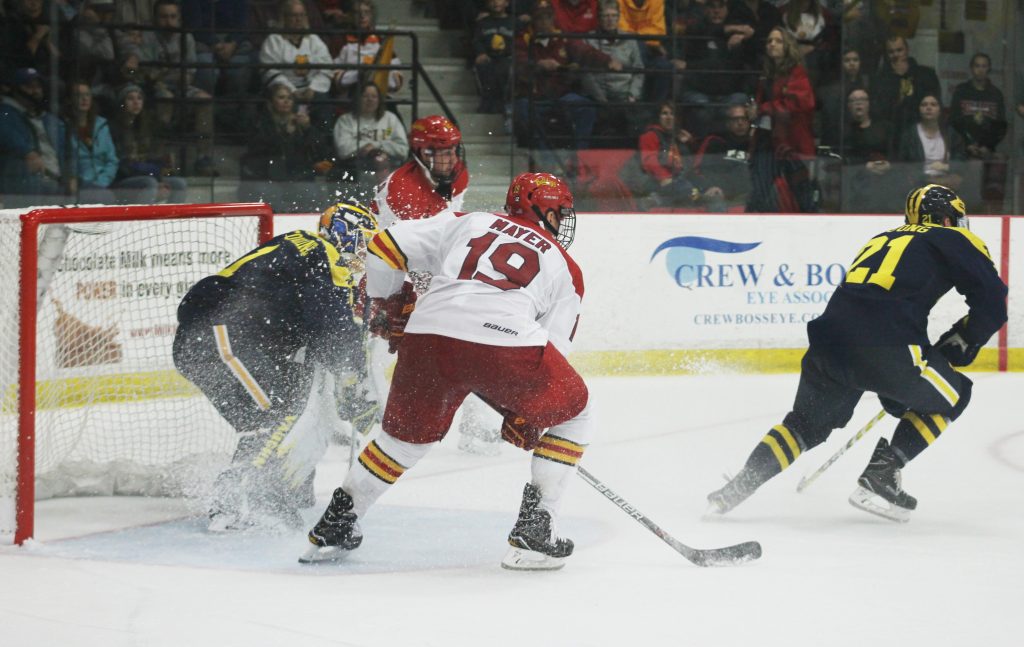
{"points": [[112, 414]]}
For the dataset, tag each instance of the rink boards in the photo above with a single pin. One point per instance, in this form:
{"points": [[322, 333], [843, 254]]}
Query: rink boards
{"points": [[681, 293]]}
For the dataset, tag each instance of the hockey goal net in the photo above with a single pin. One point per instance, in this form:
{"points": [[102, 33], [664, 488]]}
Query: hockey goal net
{"points": [[90, 402]]}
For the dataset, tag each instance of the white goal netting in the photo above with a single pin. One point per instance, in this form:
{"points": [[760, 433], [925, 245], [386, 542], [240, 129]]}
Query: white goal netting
{"points": [[112, 416]]}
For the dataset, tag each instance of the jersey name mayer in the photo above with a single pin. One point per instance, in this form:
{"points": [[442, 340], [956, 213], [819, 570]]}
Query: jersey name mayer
{"points": [[497, 280]]}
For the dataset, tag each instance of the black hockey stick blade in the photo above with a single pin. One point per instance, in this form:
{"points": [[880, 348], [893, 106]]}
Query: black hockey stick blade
{"points": [[748, 551]]}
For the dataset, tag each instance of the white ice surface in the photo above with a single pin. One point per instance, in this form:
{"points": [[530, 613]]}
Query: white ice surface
{"points": [[124, 572]]}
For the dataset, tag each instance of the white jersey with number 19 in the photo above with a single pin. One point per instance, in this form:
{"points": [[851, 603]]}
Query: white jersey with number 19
{"points": [[498, 280]]}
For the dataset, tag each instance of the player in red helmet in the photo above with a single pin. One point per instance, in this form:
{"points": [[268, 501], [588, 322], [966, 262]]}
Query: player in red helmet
{"points": [[497, 321], [436, 144], [544, 197], [434, 179]]}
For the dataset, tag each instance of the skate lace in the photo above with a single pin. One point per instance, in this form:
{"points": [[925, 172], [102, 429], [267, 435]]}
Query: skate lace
{"points": [[334, 518]]}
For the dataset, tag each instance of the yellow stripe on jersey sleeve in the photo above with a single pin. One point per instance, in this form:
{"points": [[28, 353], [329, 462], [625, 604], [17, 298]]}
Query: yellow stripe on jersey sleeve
{"points": [[384, 247]]}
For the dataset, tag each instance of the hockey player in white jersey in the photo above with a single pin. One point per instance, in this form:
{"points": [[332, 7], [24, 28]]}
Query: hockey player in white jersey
{"points": [[498, 321]]}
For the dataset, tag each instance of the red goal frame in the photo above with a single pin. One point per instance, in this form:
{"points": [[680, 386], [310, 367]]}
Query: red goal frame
{"points": [[25, 482]]}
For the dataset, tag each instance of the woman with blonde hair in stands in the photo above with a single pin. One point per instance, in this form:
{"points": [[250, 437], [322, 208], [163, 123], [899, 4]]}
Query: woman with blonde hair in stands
{"points": [[782, 113]]}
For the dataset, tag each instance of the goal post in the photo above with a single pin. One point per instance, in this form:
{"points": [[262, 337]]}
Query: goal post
{"points": [[88, 383]]}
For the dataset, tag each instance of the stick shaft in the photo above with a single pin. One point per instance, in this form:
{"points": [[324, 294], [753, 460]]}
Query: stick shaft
{"points": [[625, 506], [701, 557], [807, 480]]}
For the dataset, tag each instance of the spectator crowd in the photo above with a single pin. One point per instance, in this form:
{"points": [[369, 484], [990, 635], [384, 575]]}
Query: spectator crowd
{"points": [[119, 101], [826, 90], [749, 105]]}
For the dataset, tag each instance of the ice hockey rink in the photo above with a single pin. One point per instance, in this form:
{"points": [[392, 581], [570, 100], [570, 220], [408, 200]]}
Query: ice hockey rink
{"points": [[119, 572]]}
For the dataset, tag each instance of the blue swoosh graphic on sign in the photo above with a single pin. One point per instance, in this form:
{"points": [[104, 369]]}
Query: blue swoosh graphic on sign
{"points": [[706, 244]]}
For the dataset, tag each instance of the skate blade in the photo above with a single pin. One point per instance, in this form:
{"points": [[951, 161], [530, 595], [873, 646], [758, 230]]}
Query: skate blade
{"points": [[520, 559], [324, 555], [870, 502]]}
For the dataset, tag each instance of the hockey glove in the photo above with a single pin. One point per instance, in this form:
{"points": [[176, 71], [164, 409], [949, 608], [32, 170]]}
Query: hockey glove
{"points": [[517, 431], [514, 429], [955, 346], [389, 316]]}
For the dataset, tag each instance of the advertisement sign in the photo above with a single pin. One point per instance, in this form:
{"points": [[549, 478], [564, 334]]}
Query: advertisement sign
{"points": [[724, 282]]}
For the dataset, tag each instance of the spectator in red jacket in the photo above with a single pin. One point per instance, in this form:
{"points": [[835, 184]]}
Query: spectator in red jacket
{"points": [[783, 114], [575, 16], [663, 150]]}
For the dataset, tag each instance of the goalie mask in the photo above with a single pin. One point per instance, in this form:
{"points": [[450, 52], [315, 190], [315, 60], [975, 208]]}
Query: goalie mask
{"points": [[934, 204], [545, 198], [348, 226], [436, 145]]}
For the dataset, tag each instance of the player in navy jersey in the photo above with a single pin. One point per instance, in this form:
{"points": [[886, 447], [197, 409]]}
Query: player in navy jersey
{"points": [[252, 338], [873, 336]]}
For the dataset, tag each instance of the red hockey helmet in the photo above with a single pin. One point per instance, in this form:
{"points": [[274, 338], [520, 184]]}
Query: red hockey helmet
{"points": [[435, 131], [544, 197], [428, 136]]}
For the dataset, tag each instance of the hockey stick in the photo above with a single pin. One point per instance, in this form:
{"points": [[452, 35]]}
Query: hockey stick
{"points": [[727, 556], [807, 480]]}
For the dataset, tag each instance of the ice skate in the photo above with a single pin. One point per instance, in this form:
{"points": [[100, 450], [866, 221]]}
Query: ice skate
{"points": [[533, 543], [336, 534], [879, 490], [733, 493]]}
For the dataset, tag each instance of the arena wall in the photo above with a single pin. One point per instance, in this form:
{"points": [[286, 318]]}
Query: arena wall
{"points": [[670, 293]]}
